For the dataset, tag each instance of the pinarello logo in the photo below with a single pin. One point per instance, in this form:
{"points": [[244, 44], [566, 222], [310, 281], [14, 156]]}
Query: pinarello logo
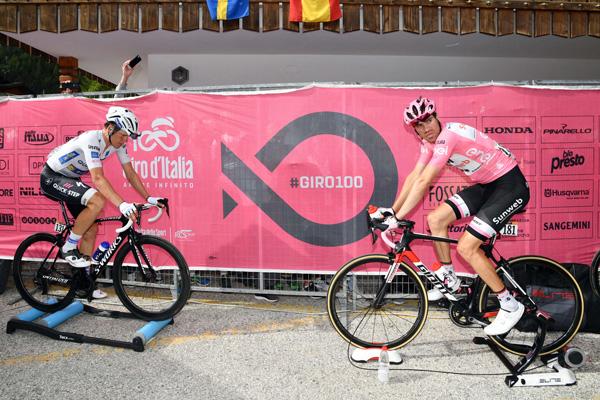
{"points": [[36, 138], [565, 130]]}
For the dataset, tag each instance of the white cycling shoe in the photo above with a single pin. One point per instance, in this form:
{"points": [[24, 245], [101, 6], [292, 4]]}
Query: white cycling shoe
{"points": [[75, 258], [99, 294], [505, 321]]}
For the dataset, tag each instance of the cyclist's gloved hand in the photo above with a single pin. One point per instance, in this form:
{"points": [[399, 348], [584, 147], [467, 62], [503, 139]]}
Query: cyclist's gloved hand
{"points": [[380, 212], [127, 209], [391, 222], [156, 201]]}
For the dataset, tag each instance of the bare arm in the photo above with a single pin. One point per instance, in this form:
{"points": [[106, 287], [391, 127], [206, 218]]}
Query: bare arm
{"points": [[135, 180], [407, 185], [104, 186], [417, 190]]}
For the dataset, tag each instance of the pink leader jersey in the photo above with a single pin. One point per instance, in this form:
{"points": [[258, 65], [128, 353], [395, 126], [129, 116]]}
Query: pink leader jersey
{"points": [[461, 146]]}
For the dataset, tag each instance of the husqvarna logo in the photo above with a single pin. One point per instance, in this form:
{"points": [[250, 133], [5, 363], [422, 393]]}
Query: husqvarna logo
{"points": [[162, 134]]}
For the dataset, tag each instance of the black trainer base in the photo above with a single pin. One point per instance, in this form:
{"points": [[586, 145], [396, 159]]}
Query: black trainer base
{"points": [[46, 327], [526, 360]]}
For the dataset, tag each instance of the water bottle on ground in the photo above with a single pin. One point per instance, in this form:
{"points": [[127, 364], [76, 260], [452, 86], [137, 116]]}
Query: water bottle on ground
{"points": [[383, 372]]}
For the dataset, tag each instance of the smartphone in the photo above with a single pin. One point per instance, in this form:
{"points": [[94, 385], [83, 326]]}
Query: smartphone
{"points": [[135, 61]]}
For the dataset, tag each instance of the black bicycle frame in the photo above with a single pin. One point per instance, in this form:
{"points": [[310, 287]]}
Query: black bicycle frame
{"points": [[97, 269]]}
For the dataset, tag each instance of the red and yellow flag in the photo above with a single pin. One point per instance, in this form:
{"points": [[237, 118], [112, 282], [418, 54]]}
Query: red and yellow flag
{"points": [[314, 10]]}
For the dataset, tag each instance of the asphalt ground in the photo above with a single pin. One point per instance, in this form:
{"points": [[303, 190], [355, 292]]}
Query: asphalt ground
{"points": [[228, 346]]}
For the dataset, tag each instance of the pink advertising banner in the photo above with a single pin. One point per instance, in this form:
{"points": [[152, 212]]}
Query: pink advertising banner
{"points": [[280, 181]]}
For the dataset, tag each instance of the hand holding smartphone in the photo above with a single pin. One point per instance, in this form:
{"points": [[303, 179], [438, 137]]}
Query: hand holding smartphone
{"points": [[135, 61]]}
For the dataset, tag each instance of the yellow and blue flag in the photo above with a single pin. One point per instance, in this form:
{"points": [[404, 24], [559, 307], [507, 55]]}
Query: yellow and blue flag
{"points": [[228, 9]]}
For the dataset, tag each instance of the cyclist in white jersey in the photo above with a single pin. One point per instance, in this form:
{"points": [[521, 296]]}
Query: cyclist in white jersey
{"points": [[499, 191], [60, 180]]}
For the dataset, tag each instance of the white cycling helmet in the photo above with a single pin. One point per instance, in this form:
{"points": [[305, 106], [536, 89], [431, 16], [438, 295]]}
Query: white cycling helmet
{"points": [[124, 119], [418, 110]]}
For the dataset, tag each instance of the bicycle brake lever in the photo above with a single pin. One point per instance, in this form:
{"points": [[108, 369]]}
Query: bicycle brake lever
{"points": [[165, 202], [138, 218], [371, 227]]}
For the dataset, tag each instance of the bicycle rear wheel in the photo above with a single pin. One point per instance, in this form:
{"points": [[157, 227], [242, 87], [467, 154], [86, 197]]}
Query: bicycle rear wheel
{"points": [[152, 278], [45, 281], [553, 290], [595, 274], [350, 303]]}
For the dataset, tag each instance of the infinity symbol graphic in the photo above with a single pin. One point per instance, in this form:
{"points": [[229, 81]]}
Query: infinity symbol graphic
{"points": [[284, 142], [150, 139]]}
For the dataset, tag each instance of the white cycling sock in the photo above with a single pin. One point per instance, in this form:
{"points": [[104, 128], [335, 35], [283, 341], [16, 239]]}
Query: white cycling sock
{"points": [[507, 301], [72, 242]]}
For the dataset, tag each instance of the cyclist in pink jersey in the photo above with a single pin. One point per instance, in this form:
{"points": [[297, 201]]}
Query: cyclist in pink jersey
{"points": [[499, 191]]}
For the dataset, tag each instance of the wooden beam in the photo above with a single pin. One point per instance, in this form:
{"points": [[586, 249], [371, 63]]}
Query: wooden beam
{"points": [[506, 22], [560, 23], [351, 15], [252, 21], [28, 18], [190, 20], [69, 17], [430, 20], [8, 18], [270, 17], [109, 17], [372, 18], [49, 18], [468, 21], [543, 23], [149, 17], [391, 19], [88, 17], [130, 17], [450, 20], [525, 22], [410, 19], [170, 17]]}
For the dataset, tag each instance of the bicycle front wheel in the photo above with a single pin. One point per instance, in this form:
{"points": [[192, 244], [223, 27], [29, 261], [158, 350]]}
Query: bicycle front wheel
{"points": [[554, 292], [395, 321], [151, 278], [44, 281]]}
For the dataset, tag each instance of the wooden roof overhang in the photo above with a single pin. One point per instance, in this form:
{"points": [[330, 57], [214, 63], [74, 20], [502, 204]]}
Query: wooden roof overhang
{"points": [[567, 19]]}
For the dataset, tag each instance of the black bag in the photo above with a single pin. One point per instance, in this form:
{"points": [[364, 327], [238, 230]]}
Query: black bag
{"points": [[558, 303]]}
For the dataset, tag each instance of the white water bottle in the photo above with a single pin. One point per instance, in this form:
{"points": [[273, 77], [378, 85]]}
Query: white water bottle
{"points": [[97, 256], [383, 372]]}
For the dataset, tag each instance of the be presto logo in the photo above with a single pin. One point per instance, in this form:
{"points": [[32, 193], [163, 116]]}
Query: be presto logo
{"points": [[162, 136]]}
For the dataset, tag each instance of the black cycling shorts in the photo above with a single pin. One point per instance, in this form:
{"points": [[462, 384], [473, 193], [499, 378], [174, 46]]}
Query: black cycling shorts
{"points": [[493, 204], [72, 191]]}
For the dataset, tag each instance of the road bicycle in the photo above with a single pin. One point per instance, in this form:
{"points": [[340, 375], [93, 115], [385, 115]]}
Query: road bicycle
{"points": [[150, 276], [380, 300]]}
